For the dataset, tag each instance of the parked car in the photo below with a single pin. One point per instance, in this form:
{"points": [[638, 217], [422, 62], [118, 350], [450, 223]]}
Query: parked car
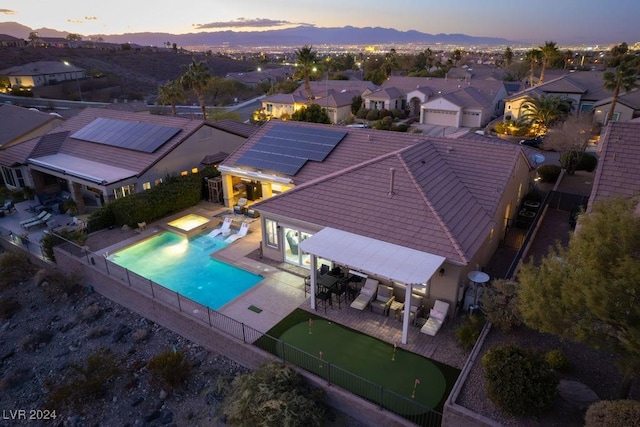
{"points": [[532, 142]]}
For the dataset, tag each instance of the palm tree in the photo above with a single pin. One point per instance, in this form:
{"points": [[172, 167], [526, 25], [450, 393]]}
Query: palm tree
{"points": [[171, 93], [549, 51], [508, 56], [543, 111], [306, 59], [532, 57], [196, 78], [34, 38], [624, 77]]}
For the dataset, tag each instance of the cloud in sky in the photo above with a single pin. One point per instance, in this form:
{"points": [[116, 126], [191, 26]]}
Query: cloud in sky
{"points": [[246, 23], [82, 20], [7, 12]]}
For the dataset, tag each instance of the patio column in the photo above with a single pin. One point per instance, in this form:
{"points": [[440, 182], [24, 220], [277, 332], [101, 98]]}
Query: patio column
{"points": [[407, 313], [314, 278]]}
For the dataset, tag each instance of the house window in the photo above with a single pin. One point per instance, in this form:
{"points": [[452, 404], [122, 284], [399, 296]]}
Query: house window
{"points": [[271, 233], [21, 182], [124, 191], [615, 117], [194, 170], [586, 107], [184, 173], [8, 176], [157, 182], [269, 108], [146, 186]]}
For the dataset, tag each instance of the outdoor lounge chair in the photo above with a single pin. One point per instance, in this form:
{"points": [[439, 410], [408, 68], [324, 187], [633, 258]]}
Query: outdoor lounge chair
{"points": [[244, 228], [40, 221], [415, 308], [241, 206], [34, 218], [437, 316], [367, 294], [226, 226], [8, 206], [384, 298]]}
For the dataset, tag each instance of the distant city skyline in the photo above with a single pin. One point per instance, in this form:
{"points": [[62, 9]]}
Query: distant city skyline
{"points": [[563, 21]]}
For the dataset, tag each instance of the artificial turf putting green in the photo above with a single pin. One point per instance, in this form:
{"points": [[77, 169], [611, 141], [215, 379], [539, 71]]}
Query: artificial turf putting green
{"points": [[364, 356]]}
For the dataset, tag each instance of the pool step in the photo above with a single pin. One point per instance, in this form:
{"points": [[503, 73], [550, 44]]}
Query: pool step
{"points": [[204, 242]]}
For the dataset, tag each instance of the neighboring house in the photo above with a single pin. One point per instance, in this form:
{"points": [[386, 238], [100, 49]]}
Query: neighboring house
{"points": [[443, 101], [42, 73], [445, 203], [282, 104], [10, 41], [627, 107], [583, 88], [101, 155], [618, 171], [18, 124]]}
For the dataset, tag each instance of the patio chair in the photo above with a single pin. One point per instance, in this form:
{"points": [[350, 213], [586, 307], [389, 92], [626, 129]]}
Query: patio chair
{"points": [[384, 298], [415, 308], [324, 269], [367, 294], [40, 221], [437, 316], [225, 227], [34, 218], [8, 206], [244, 228], [241, 206]]}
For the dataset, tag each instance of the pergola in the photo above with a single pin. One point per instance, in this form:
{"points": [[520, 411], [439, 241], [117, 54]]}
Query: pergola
{"points": [[374, 258]]}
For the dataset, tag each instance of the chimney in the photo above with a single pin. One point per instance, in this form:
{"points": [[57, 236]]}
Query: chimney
{"points": [[392, 179]]}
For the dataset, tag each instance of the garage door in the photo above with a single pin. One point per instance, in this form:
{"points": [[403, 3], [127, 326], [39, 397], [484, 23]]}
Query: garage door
{"points": [[440, 117]]}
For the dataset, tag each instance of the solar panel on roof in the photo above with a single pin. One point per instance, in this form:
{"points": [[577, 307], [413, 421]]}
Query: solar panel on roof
{"points": [[136, 136], [286, 149]]}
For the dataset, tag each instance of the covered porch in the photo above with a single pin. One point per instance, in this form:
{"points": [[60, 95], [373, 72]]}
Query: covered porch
{"points": [[364, 256]]}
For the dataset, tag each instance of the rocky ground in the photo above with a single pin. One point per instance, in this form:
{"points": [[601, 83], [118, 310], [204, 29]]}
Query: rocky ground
{"points": [[49, 337]]}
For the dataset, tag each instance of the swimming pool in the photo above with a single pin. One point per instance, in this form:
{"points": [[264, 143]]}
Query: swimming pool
{"points": [[184, 266]]}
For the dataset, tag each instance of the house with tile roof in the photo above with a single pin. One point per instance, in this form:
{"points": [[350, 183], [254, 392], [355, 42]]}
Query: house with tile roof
{"points": [[618, 170], [627, 107], [442, 101], [42, 73], [10, 41], [101, 155], [445, 204], [583, 88]]}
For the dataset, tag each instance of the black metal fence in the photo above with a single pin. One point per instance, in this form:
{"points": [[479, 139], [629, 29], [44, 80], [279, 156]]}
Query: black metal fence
{"points": [[334, 375]]}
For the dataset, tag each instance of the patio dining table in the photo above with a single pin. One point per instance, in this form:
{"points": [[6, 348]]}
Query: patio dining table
{"points": [[327, 282]]}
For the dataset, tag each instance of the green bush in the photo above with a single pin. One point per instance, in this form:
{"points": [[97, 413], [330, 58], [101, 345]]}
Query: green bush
{"points": [[499, 304], [169, 368], [588, 162], [557, 360], [549, 173], [500, 128], [385, 113], [398, 114], [85, 382], [400, 128], [362, 113], [518, 380], [373, 115], [469, 330], [616, 413], [273, 395]]}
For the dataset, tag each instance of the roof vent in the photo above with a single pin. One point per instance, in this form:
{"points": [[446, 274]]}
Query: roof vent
{"points": [[449, 149], [392, 181], [369, 137]]}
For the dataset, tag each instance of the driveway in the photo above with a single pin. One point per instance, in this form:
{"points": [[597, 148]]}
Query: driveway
{"points": [[438, 130]]}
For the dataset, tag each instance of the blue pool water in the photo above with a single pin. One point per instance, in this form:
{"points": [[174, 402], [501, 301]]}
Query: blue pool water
{"points": [[184, 266]]}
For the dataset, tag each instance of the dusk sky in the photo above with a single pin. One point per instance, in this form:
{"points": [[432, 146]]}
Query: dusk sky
{"points": [[562, 21]]}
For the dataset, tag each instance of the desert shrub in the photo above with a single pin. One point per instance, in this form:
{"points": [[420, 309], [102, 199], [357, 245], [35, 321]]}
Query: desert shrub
{"points": [[85, 382], [398, 114], [56, 283], [8, 307], [362, 113], [273, 395], [518, 380], [169, 368], [557, 360], [588, 161], [549, 173], [36, 338], [384, 113], [499, 304], [402, 127], [15, 268], [469, 330], [613, 413], [372, 115]]}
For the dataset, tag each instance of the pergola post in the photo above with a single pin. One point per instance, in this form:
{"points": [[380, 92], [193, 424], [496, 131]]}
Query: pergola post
{"points": [[407, 313], [314, 277]]}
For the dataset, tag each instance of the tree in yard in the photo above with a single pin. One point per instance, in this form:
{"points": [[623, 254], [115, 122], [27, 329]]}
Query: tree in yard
{"points": [[622, 78], [34, 38], [356, 104], [533, 57], [508, 56], [74, 37], [570, 137], [590, 290], [306, 59], [171, 93], [499, 304], [456, 56], [544, 111], [196, 78], [549, 52], [314, 113]]}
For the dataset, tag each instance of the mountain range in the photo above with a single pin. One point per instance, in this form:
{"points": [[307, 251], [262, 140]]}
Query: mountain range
{"points": [[298, 36]]}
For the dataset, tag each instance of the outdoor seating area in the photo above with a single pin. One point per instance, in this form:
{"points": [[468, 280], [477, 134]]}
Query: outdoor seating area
{"points": [[244, 229], [437, 316], [39, 219]]}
